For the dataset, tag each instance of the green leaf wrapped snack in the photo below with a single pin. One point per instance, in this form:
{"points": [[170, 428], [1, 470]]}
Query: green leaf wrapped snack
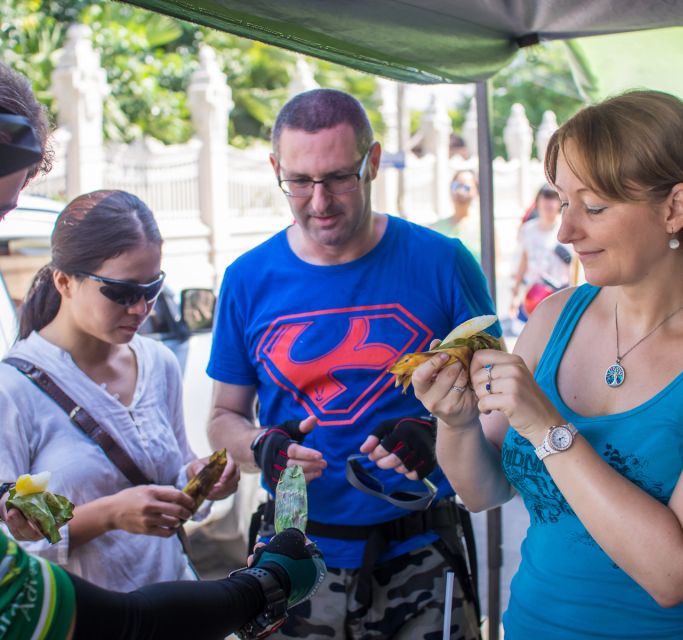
{"points": [[46, 510], [460, 344], [291, 501], [200, 486]]}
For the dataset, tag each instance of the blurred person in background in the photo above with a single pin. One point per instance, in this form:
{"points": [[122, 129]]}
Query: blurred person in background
{"points": [[544, 263], [464, 222]]}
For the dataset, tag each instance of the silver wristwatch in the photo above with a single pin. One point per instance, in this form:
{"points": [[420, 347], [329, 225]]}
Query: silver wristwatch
{"points": [[559, 438]]}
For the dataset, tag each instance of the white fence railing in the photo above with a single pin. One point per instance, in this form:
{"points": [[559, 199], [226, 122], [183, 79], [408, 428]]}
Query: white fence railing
{"points": [[214, 201]]}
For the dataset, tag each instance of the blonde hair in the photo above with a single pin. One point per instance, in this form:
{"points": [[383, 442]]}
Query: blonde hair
{"points": [[627, 148]]}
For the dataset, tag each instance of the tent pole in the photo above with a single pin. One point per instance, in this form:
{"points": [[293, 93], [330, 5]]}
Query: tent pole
{"points": [[486, 185], [488, 255]]}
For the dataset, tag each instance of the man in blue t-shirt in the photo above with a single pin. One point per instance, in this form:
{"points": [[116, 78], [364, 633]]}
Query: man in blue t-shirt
{"points": [[310, 321]]}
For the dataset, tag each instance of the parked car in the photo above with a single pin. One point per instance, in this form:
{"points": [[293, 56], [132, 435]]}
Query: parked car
{"points": [[183, 322]]}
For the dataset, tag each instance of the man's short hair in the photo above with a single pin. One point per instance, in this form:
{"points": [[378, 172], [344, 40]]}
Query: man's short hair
{"points": [[17, 98], [318, 109]]}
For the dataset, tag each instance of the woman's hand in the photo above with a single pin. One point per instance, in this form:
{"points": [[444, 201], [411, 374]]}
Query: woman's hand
{"points": [[503, 382], [149, 509], [227, 483], [445, 391], [18, 525]]}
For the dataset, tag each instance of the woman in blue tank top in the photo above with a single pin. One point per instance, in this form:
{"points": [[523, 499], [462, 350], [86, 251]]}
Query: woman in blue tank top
{"points": [[585, 419]]}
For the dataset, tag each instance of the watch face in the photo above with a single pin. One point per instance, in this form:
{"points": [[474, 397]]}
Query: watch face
{"points": [[560, 438]]}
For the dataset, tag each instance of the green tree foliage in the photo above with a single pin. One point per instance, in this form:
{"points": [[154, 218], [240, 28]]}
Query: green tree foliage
{"points": [[149, 59], [540, 79]]}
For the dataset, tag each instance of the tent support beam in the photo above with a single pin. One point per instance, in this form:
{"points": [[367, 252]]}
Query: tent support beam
{"points": [[488, 259], [488, 250]]}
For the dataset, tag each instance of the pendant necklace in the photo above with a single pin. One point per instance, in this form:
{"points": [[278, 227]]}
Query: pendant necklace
{"points": [[616, 374]]}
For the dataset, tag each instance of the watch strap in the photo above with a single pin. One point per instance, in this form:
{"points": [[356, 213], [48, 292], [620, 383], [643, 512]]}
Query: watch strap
{"points": [[546, 449], [275, 611]]}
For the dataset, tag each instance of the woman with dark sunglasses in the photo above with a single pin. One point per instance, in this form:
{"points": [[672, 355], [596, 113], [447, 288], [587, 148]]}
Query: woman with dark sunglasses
{"points": [[79, 324], [40, 599]]}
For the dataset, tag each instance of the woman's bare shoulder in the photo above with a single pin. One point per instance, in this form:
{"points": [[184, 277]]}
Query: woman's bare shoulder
{"points": [[538, 329]]}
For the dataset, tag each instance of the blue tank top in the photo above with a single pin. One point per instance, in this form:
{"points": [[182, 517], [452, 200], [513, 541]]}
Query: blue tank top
{"points": [[566, 587]]}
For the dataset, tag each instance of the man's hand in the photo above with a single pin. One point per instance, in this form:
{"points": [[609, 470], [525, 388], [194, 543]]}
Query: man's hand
{"points": [[405, 445], [280, 446]]}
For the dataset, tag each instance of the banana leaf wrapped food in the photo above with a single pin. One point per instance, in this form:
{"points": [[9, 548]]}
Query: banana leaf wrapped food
{"points": [[460, 344], [200, 486], [291, 501], [46, 510]]}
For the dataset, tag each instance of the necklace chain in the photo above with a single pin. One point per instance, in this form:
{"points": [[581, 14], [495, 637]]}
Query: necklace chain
{"points": [[647, 335]]}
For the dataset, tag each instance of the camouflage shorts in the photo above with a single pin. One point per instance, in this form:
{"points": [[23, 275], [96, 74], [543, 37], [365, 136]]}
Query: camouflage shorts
{"points": [[408, 595]]}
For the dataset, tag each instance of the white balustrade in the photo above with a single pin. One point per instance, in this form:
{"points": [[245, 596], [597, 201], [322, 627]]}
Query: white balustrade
{"points": [[214, 201]]}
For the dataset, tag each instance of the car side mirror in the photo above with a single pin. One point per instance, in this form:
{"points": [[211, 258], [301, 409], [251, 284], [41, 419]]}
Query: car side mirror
{"points": [[197, 307]]}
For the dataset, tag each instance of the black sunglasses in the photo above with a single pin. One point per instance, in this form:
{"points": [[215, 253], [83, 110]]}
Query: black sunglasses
{"points": [[360, 478], [125, 292]]}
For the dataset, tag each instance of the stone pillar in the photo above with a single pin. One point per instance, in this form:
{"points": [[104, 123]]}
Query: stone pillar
{"points": [[385, 187], [210, 101], [469, 129], [518, 140], [302, 79], [79, 84], [437, 128], [403, 145], [545, 130]]}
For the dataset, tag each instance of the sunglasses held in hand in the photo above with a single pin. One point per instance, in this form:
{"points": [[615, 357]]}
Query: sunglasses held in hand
{"points": [[360, 478], [125, 292]]}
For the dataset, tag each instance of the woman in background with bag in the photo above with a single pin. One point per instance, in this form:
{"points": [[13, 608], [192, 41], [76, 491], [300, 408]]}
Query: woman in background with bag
{"points": [[544, 264], [79, 325]]}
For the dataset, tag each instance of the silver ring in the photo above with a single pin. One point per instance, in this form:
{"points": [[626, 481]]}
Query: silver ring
{"points": [[455, 387], [488, 368]]}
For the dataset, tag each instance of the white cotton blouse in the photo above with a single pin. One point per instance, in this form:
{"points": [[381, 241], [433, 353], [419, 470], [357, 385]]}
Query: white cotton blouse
{"points": [[36, 435]]}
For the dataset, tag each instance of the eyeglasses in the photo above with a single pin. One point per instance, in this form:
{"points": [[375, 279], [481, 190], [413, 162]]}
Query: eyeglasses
{"points": [[460, 186], [335, 185], [125, 292]]}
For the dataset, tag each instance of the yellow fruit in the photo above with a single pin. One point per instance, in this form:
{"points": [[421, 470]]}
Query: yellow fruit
{"points": [[28, 484]]}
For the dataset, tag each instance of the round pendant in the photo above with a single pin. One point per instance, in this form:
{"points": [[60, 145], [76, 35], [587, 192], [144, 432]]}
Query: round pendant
{"points": [[614, 376]]}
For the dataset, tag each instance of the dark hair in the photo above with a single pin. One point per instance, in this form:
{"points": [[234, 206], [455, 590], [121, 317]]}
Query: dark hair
{"points": [[627, 148], [319, 109], [94, 228], [546, 191], [16, 98]]}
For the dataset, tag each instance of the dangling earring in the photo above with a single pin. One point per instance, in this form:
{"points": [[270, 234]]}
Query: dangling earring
{"points": [[674, 242]]}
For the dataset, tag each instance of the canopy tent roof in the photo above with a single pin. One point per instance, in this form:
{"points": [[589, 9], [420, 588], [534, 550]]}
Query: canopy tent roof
{"points": [[421, 41]]}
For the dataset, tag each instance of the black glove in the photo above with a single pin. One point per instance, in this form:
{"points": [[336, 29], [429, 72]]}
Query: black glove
{"points": [[289, 571], [270, 449], [298, 565], [413, 440]]}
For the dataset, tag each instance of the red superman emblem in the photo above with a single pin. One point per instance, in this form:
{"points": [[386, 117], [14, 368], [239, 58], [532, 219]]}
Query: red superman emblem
{"points": [[335, 362]]}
